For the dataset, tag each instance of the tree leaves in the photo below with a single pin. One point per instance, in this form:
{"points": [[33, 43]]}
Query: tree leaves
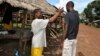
{"points": [[88, 11]]}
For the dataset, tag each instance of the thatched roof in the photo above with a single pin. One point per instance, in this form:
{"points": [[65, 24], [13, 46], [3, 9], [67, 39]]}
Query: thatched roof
{"points": [[32, 4], [44, 5], [19, 3]]}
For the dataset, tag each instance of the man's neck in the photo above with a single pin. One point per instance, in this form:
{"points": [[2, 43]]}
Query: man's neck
{"points": [[71, 9]]}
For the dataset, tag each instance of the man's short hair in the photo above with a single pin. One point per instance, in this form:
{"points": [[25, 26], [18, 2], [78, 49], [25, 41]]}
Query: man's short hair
{"points": [[71, 3]]}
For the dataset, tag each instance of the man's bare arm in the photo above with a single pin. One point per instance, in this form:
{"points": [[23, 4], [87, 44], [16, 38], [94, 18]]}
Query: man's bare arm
{"points": [[58, 13]]}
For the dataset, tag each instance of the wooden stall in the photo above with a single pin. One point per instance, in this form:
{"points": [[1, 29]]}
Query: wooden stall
{"points": [[15, 39], [20, 40]]}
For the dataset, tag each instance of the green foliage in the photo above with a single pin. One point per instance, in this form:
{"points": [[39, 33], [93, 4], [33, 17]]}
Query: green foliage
{"points": [[92, 12], [88, 11]]}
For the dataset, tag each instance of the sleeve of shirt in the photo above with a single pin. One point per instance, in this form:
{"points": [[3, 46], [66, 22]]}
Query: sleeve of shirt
{"points": [[43, 23], [66, 17]]}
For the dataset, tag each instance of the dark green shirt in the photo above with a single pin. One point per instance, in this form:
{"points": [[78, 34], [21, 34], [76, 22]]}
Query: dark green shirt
{"points": [[72, 20]]}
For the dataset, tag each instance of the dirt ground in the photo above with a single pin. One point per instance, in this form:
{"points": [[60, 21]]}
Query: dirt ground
{"points": [[88, 41]]}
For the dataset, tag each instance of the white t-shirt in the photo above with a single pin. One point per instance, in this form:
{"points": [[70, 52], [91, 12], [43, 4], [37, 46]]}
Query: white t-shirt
{"points": [[38, 28]]}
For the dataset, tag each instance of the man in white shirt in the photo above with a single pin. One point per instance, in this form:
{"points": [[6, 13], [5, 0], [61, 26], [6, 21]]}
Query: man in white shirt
{"points": [[38, 28]]}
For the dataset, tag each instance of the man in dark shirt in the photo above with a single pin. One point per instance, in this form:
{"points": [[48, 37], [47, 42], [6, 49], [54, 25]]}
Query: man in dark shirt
{"points": [[71, 30]]}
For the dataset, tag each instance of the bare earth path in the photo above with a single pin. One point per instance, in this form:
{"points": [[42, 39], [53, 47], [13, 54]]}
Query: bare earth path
{"points": [[88, 41]]}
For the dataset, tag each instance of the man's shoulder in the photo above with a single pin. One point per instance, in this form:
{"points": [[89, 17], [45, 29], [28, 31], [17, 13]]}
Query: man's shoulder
{"points": [[75, 11], [67, 14]]}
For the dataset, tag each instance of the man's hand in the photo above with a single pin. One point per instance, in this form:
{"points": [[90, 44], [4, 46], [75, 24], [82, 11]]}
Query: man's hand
{"points": [[58, 13], [60, 10]]}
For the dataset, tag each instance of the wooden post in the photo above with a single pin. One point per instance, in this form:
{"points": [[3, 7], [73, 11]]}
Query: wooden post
{"points": [[24, 17]]}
